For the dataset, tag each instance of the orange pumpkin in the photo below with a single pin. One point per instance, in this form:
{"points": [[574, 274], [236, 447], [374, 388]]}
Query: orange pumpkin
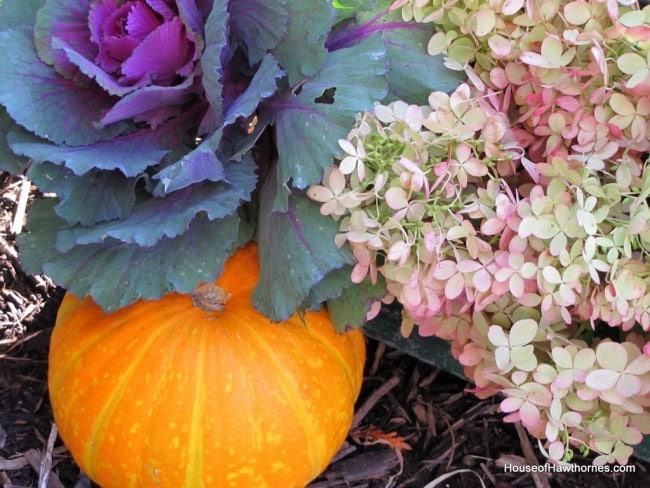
{"points": [[166, 394]]}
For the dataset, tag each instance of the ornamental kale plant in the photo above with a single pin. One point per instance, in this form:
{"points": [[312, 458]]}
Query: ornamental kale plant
{"points": [[169, 132], [512, 216]]}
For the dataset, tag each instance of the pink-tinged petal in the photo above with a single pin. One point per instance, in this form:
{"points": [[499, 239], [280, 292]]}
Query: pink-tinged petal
{"points": [[639, 365], [511, 404], [320, 193], [628, 385], [463, 152], [454, 286], [516, 285], [444, 270], [564, 379], [336, 181], [501, 47], [529, 414], [348, 164], [468, 266], [503, 275], [475, 167], [602, 379], [556, 450], [493, 226], [534, 59], [396, 198], [162, 55], [511, 7], [329, 208], [359, 273], [570, 104], [398, 250], [512, 417], [141, 21], [482, 280], [411, 295], [471, 355]]}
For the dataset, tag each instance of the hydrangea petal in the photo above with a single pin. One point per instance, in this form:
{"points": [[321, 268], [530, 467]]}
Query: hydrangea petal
{"points": [[628, 385], [523, 331], [611, 355], [602, 379], [510, 404], [529, 414], [524, 358]]}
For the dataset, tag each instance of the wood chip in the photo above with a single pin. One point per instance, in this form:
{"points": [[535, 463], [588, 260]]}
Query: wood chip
{"points": [[45, 467], [13, 463], [540, 479], [34, 458], [21, 207], [373, 399]]}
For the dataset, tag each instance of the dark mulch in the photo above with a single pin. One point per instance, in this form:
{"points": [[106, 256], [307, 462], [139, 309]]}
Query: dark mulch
{"points": [[441, 429]]}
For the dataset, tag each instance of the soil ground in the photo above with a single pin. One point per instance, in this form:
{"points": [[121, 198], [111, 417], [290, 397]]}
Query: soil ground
{"points": [[414, 423]]}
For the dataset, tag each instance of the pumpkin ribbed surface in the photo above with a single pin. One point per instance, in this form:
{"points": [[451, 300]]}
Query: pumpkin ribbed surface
{"points": [[162, 393]]}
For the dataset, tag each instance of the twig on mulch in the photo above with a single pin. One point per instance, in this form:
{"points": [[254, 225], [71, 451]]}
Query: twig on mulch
{"points": [[21, 207], [46, 462], [540, 479], [373, 399], [13, 463]]}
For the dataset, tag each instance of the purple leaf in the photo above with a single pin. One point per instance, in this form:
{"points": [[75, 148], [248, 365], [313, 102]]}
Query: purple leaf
{"points": [[297, 251], [166, 53], [140, 104], [163, 7], [38, 98], [68, 21], [258, 25], [88, 67], [262, 86], [130, 153], [106, 271], [155, 218], [141, 21], [308, 128], [211, 62], [201, 164]]}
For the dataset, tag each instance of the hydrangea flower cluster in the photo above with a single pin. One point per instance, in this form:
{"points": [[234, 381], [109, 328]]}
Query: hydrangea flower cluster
{"points": [[510, 217]]}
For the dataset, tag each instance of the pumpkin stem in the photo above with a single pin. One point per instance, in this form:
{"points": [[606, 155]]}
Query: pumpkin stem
{"points": [[209, 297]]}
